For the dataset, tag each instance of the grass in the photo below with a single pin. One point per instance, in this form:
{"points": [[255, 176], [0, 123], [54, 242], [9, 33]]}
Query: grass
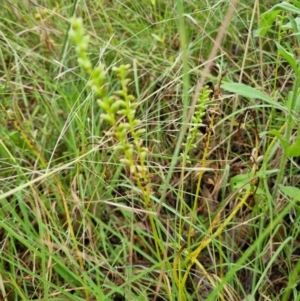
{"points": [[123, 176]]}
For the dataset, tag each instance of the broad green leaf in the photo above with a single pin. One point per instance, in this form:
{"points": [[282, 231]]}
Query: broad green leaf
{"points": [[289, 25], [243, 182], [289, 57], [239, 181], [266, 22], [294, 149], [267, 18], [291, 191], [249, 92], [286, 6]]}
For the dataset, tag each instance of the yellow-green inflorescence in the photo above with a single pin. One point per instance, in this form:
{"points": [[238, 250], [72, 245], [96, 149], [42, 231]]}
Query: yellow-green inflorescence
{"points": [[115, 107], [196, 119]]}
